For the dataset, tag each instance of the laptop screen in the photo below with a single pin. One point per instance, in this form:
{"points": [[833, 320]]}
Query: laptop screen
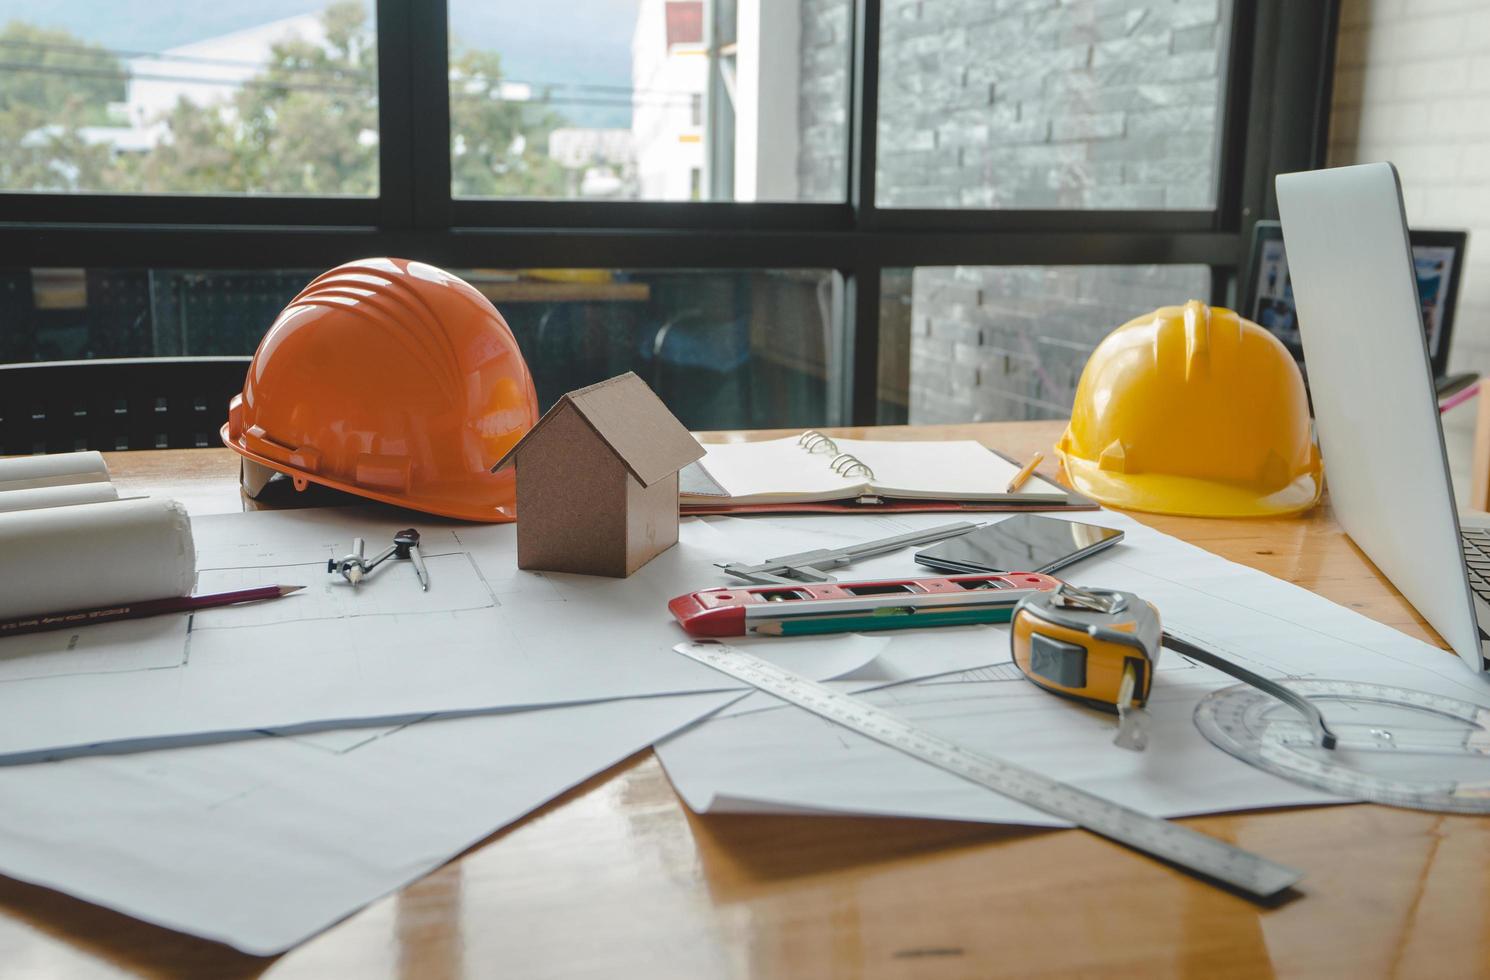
{"points": [[1438, 257]]}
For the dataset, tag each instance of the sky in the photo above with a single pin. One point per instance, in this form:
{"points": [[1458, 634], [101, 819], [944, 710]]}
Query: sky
{"points": [[576, 41]]}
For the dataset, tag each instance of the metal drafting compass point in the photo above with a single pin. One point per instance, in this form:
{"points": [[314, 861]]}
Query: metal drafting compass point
{"points": [[354, 567], [810, 566], [1394, 745]]}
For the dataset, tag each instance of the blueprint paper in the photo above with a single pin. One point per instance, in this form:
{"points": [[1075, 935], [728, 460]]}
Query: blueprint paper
{"points": [[107, 648], [262, 843], [783, 758], [36, 498], [55, 470], [787, 758], [906, 656], [86, 556], [485, 637]]}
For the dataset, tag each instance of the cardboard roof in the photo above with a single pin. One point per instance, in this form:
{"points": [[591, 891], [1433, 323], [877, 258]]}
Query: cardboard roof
{"points": [[630, 419]]}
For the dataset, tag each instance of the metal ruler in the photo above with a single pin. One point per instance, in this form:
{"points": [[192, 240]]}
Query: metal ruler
{"points": [[1396, 746], [1195, 852], [809, 566]]}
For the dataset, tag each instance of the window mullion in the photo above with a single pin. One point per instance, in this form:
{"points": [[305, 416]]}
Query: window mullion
{"points": [[395, 114]]}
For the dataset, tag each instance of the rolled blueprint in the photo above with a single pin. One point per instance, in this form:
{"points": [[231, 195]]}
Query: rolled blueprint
{"points": [[87, 556], [63, 469], [36, 498]]}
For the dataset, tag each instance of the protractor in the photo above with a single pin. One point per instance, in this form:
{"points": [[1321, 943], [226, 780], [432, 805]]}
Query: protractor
{"points": [[1396, 746]]}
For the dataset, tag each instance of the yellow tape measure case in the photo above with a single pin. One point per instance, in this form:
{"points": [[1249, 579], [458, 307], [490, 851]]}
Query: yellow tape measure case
{"points": [[1081, 643]]}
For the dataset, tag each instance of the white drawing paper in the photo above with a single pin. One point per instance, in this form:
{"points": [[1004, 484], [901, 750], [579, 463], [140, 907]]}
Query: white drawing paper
{"points": [[750, 759], [88, 556], [55, 470], [36, 498], [485, 637], [262, 843], [158, 642]]}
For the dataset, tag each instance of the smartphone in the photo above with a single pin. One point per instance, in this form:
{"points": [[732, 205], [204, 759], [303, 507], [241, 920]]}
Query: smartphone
{"points": [[1022, 543]]}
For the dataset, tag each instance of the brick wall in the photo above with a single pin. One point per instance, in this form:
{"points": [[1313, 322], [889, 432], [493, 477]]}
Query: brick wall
{"points": [[1009, 342], [823, 107], [1024, 104], [1412, 85], [1043, 104]]}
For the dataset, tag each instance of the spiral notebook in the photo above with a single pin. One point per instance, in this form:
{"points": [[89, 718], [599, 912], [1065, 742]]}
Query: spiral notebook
{"points": [[812, 468]]}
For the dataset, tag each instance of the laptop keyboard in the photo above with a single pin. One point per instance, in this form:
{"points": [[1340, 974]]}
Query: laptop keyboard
{"points": [[1476, 545]]}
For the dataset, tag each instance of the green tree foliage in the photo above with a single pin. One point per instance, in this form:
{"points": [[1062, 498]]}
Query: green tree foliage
{"points": [[498, 148], [307, 124], [52, 85]]}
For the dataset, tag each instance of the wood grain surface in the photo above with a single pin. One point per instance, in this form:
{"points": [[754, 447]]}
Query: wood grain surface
{"points": [[618, 879]]}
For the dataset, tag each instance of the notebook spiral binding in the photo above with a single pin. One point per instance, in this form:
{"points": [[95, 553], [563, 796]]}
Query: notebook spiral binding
{"points": [[844, 464], [847, 464], [814, 441]]}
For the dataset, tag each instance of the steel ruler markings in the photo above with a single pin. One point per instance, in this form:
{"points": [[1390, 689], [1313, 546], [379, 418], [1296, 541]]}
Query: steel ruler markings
{"points": [[1178, 845]]}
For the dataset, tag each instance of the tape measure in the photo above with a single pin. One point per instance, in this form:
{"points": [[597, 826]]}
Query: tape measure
{"points": [[1393, 745], [1178, 845], [1098, 646], [1101, 647]]}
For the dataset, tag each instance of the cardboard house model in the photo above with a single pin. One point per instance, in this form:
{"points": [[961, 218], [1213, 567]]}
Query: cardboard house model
{"points": [[597, 480]]}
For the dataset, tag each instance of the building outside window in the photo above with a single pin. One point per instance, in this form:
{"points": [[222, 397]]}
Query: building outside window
{"points": [[988, 122]]}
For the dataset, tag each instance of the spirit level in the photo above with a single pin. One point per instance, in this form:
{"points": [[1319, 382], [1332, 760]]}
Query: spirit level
{"points": [[841, 607]]}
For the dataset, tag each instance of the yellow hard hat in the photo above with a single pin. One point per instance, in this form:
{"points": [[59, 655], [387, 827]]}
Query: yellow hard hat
{"points": [[1195, 411]]}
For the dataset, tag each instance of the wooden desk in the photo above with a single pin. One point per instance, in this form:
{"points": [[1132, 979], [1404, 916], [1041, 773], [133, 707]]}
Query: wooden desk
{"points": [[618, 879]]}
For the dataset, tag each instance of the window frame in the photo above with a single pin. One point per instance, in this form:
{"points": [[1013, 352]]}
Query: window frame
{"points": [[1274, 116]]}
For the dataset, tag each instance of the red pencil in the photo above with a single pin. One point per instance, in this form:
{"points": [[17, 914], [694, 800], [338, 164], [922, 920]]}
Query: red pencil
{"points": [[139, 610]]}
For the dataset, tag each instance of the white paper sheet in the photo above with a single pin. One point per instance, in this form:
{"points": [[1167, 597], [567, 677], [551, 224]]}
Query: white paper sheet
{"points": [[780, 469], [36, 498], [486, 636], [59, 469], [108, 648], [92, 555], [262, 843], [766, 760]]}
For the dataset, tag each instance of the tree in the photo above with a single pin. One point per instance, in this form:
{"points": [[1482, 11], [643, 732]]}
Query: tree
{"points": [[52, 86], [307, 124], [498, 148]]}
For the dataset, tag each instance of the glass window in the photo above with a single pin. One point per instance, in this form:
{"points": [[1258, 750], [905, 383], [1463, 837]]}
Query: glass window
{"points": [[985, 343], [253, 98], [656, 100], [1083, 104], [724, 349]]}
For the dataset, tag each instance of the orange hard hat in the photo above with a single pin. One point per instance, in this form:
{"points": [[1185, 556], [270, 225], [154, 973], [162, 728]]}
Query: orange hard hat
{"points": [[1193, 410], [393, 380]]}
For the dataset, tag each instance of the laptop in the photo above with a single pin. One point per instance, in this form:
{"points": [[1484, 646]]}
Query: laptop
{"points": [[1375, 414], [1438, 261]]}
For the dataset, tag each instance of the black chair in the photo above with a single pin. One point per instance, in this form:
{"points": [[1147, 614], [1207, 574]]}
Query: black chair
{"points": [[114, 404], [701, 369]]}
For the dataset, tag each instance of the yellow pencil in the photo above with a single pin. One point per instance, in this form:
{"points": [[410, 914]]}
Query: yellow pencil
{"points": [[1024, 474]]}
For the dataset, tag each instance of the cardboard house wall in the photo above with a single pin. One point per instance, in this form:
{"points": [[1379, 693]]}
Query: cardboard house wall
{"points": [[597, 481]]}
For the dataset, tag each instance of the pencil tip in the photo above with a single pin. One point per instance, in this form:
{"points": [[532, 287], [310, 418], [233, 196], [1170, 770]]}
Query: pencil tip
{"points": [[287, 589]]}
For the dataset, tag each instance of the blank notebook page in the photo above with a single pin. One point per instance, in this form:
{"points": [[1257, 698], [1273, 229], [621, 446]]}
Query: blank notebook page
{"points": [[776, 468], [782, 469], [961, 470]]}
